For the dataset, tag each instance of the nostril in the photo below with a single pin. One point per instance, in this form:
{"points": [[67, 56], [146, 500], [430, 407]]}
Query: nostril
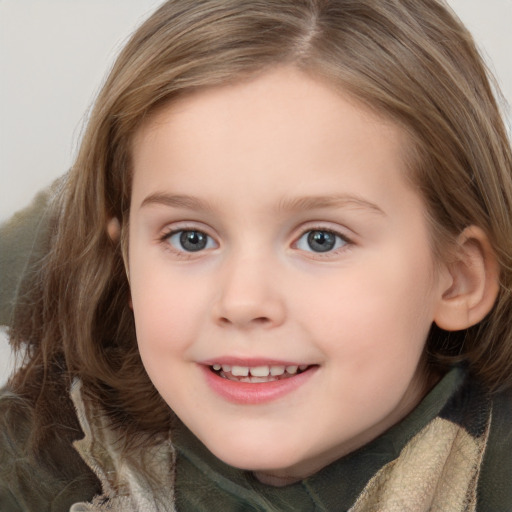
{"points": [[258, 320], [261, 320], [243, 311]]}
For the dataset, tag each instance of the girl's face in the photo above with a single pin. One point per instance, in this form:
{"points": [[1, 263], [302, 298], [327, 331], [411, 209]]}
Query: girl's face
{"points": [[282, 280]]}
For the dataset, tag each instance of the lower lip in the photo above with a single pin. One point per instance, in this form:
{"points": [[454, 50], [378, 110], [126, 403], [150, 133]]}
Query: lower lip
{"points": [[255, 393]]}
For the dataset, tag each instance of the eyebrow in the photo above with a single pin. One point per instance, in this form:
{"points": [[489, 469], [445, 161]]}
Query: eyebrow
{"points": [[337, 201], [292, 204], [176, 201]]}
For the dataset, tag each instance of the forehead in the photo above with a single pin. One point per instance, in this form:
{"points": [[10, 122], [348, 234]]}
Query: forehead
{"points": [[282, 124], [299, 95]]}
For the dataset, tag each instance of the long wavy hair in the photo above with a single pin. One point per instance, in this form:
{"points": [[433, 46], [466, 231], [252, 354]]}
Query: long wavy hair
{"points": [[412, 61]]}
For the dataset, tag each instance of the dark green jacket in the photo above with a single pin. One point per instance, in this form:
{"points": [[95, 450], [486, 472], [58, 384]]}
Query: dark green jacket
{"points": [[452, 453]]}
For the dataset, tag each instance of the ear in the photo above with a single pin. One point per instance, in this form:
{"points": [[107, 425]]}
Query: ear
{"points": [[114, 232], [114, 229], [473, 282]]}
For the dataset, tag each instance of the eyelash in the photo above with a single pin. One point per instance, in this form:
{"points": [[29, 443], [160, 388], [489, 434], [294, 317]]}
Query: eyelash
{"points": [[341, 242], [165, 239]]}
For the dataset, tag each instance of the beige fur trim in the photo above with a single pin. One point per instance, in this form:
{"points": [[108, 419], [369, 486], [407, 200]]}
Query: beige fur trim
{"points": [[125, 488], [436, 471]]}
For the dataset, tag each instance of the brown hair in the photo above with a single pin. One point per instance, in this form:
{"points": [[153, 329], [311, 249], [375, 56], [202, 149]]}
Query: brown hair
{"points": [[410, 60]]}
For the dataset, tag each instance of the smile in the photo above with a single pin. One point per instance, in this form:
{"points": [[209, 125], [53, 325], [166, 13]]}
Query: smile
{"points": [[255, 383], [257, 374]]}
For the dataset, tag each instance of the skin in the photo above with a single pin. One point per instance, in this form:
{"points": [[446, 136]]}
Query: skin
{"points": [[256, 161]]}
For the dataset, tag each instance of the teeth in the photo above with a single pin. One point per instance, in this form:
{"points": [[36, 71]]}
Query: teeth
{"points": [[239, 371], [260, 371], [276, 370], [256, 380], [252, 380]]}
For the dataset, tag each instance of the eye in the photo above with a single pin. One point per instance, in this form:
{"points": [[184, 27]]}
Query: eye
{"points": [[320, 240], [190, 240]]}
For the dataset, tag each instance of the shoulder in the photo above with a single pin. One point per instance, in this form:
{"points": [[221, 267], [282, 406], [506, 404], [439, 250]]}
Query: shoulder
{"points": [[50, 479], [23, 242], [495, 483]]}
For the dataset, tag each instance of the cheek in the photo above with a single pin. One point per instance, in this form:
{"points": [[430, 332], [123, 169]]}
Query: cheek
{"points": [[380, 313], [166, 326], [166, 312]]}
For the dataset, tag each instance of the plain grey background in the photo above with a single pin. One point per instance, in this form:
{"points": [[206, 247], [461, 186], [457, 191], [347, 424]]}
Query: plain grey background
{"points": [[54, 55]]}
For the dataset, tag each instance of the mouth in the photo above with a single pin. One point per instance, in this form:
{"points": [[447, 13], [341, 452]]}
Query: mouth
{"points": [[253, 382], [257, 374]]}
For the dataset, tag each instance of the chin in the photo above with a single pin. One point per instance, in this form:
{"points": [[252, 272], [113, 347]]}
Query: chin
{"points": [[264, 457]]}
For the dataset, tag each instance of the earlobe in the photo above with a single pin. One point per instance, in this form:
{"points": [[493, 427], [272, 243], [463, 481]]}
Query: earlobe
{"points": [[114, 229], [114, 233], [474, 282]]}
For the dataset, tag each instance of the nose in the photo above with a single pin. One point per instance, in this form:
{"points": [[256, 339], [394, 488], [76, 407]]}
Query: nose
{"points": [[250, 294]]}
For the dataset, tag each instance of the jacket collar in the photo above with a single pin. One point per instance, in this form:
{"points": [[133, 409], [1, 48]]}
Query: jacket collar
{"points": [[126, 486]]}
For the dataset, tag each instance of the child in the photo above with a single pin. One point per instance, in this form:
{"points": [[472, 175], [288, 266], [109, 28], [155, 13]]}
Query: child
{"points": [[278, 276]]}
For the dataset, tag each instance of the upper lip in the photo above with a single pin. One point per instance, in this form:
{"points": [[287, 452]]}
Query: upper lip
{"points": [[250, 362]]}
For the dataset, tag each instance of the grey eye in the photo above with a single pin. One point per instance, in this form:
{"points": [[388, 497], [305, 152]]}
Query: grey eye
{"points": [[319, 240], [190, 240]]}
